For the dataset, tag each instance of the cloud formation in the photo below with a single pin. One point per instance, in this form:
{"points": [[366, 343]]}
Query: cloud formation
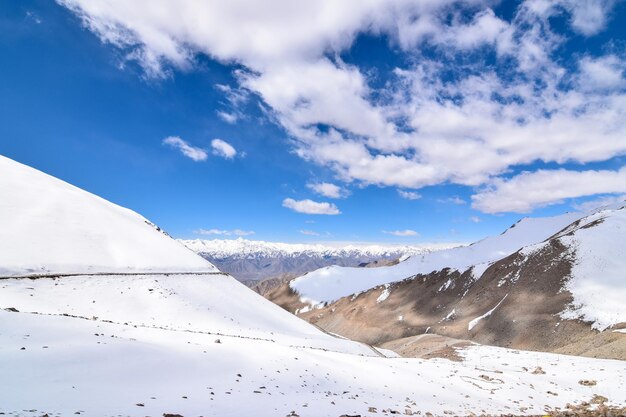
{"points": [[311, 207], [452, 200], [599, 202], [401, 233], [327, 189], [309, 233], [223, 149], [529, 190], [432, 123], [192, 152], [220, 232], [409, 195]]}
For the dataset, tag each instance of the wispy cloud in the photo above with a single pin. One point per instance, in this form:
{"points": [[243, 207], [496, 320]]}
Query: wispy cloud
{"points": [[309, 233], [223, 149], [401, 233], [220, 232], [34, 17], [599, 202], [192, 152], [230, 118], [409, 195], [328, 190], [452, 200], [311, 207]]}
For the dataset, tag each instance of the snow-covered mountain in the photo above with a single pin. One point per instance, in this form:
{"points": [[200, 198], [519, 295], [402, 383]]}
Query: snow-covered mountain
{"points": [[252, 260], [331, 283], [128, 339], [48, 226], [555, 284]]}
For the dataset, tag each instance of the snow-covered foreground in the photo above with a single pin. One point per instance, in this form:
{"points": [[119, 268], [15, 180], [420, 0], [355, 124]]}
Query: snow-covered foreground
{"points": [[49, 226], [137, 351], [213, 303]]}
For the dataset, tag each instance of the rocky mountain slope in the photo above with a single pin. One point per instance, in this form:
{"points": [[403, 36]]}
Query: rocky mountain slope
{"points": [[252, 261], [129, 340], [554, 284]]}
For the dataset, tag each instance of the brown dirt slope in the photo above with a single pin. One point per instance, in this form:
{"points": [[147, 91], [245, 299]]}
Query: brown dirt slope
{"points": [[528, 290]]}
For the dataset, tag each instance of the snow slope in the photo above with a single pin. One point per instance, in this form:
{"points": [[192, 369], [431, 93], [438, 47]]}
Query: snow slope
{"points": [[329, 284], [105, 346], [215, 304], [49, 226], [598, 277]]}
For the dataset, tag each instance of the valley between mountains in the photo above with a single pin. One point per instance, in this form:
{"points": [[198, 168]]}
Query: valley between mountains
{"points": [[103, 314]]}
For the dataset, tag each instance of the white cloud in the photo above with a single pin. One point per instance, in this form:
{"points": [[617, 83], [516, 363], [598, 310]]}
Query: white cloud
{"points": [[230, 118], [604, 73], [588, 16], [424, 127], [452, 200], [223, 149], [327, 189], [309, 233], [409, 195], [310, 207], [529, 190], [220, 232], [475, 219], [401, 233], [599, 202], [195, 153]]}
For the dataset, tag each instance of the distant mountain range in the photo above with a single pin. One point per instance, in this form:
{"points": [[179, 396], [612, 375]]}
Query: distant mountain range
{"points": [[252, 261]]}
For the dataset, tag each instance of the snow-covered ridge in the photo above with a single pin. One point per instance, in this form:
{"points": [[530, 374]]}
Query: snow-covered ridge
{"points": [[48, 226], [244, 248], [331, 283]]}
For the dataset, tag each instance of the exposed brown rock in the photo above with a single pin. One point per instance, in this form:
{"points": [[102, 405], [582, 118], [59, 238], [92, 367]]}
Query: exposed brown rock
{"points": [[530, 291]]}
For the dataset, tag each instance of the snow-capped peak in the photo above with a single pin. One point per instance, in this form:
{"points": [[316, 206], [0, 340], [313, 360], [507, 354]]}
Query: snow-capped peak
{"points": [[244, 248]]}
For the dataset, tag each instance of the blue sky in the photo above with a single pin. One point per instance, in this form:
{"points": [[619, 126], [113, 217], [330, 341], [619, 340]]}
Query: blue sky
{"points": [[402, 121]]}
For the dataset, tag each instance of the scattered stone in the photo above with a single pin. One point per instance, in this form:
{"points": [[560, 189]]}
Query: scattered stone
{"points": [[588, 382]]}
